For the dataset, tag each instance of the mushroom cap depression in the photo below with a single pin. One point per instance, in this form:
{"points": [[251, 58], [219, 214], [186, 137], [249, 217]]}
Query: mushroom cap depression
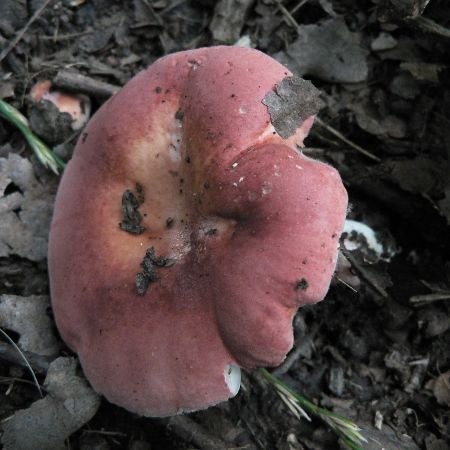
{"points": [[187, 232]]}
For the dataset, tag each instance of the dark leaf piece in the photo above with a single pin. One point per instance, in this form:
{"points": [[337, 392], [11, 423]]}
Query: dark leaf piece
{"points": [[292, 102], [389, 10], [329, 51]]}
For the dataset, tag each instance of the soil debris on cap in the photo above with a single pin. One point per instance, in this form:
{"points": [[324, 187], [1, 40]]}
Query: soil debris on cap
{"points": [[149, 265], [169, 222], [131, 222], [142, 283], [301, 284], [292, 102]]}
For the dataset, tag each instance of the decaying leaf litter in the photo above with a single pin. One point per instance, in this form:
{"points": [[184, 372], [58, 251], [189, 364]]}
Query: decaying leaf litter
{"points": [[380, 355]]}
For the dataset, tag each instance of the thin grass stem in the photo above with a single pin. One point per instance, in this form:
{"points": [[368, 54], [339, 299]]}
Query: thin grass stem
{"points": [[348, 431]]}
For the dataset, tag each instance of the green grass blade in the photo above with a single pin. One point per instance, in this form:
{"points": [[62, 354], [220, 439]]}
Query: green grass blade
{"points": [[46, 157]]}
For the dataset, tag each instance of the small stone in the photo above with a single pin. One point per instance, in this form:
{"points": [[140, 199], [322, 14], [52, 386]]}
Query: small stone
{"points": [[384, 41], [336, 381], [404, 85]]}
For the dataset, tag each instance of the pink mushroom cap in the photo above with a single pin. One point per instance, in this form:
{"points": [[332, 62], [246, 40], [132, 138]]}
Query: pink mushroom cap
{"points": [[240, 230], [77, 106]]}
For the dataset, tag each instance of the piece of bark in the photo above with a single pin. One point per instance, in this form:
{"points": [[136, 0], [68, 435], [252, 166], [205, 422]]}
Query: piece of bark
{"points": [[190, 431], [76, 82]]}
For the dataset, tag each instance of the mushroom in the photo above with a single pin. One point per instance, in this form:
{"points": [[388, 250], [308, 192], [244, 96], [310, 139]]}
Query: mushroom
{"points": [[187, 232], [77, 106]]}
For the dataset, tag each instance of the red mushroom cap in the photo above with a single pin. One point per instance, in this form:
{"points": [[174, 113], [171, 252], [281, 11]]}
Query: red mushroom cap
{"points": [[185, 158]]}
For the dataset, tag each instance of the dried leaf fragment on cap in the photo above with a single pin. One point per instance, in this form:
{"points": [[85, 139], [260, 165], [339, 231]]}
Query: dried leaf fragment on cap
{"points": [[292, 102]]}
